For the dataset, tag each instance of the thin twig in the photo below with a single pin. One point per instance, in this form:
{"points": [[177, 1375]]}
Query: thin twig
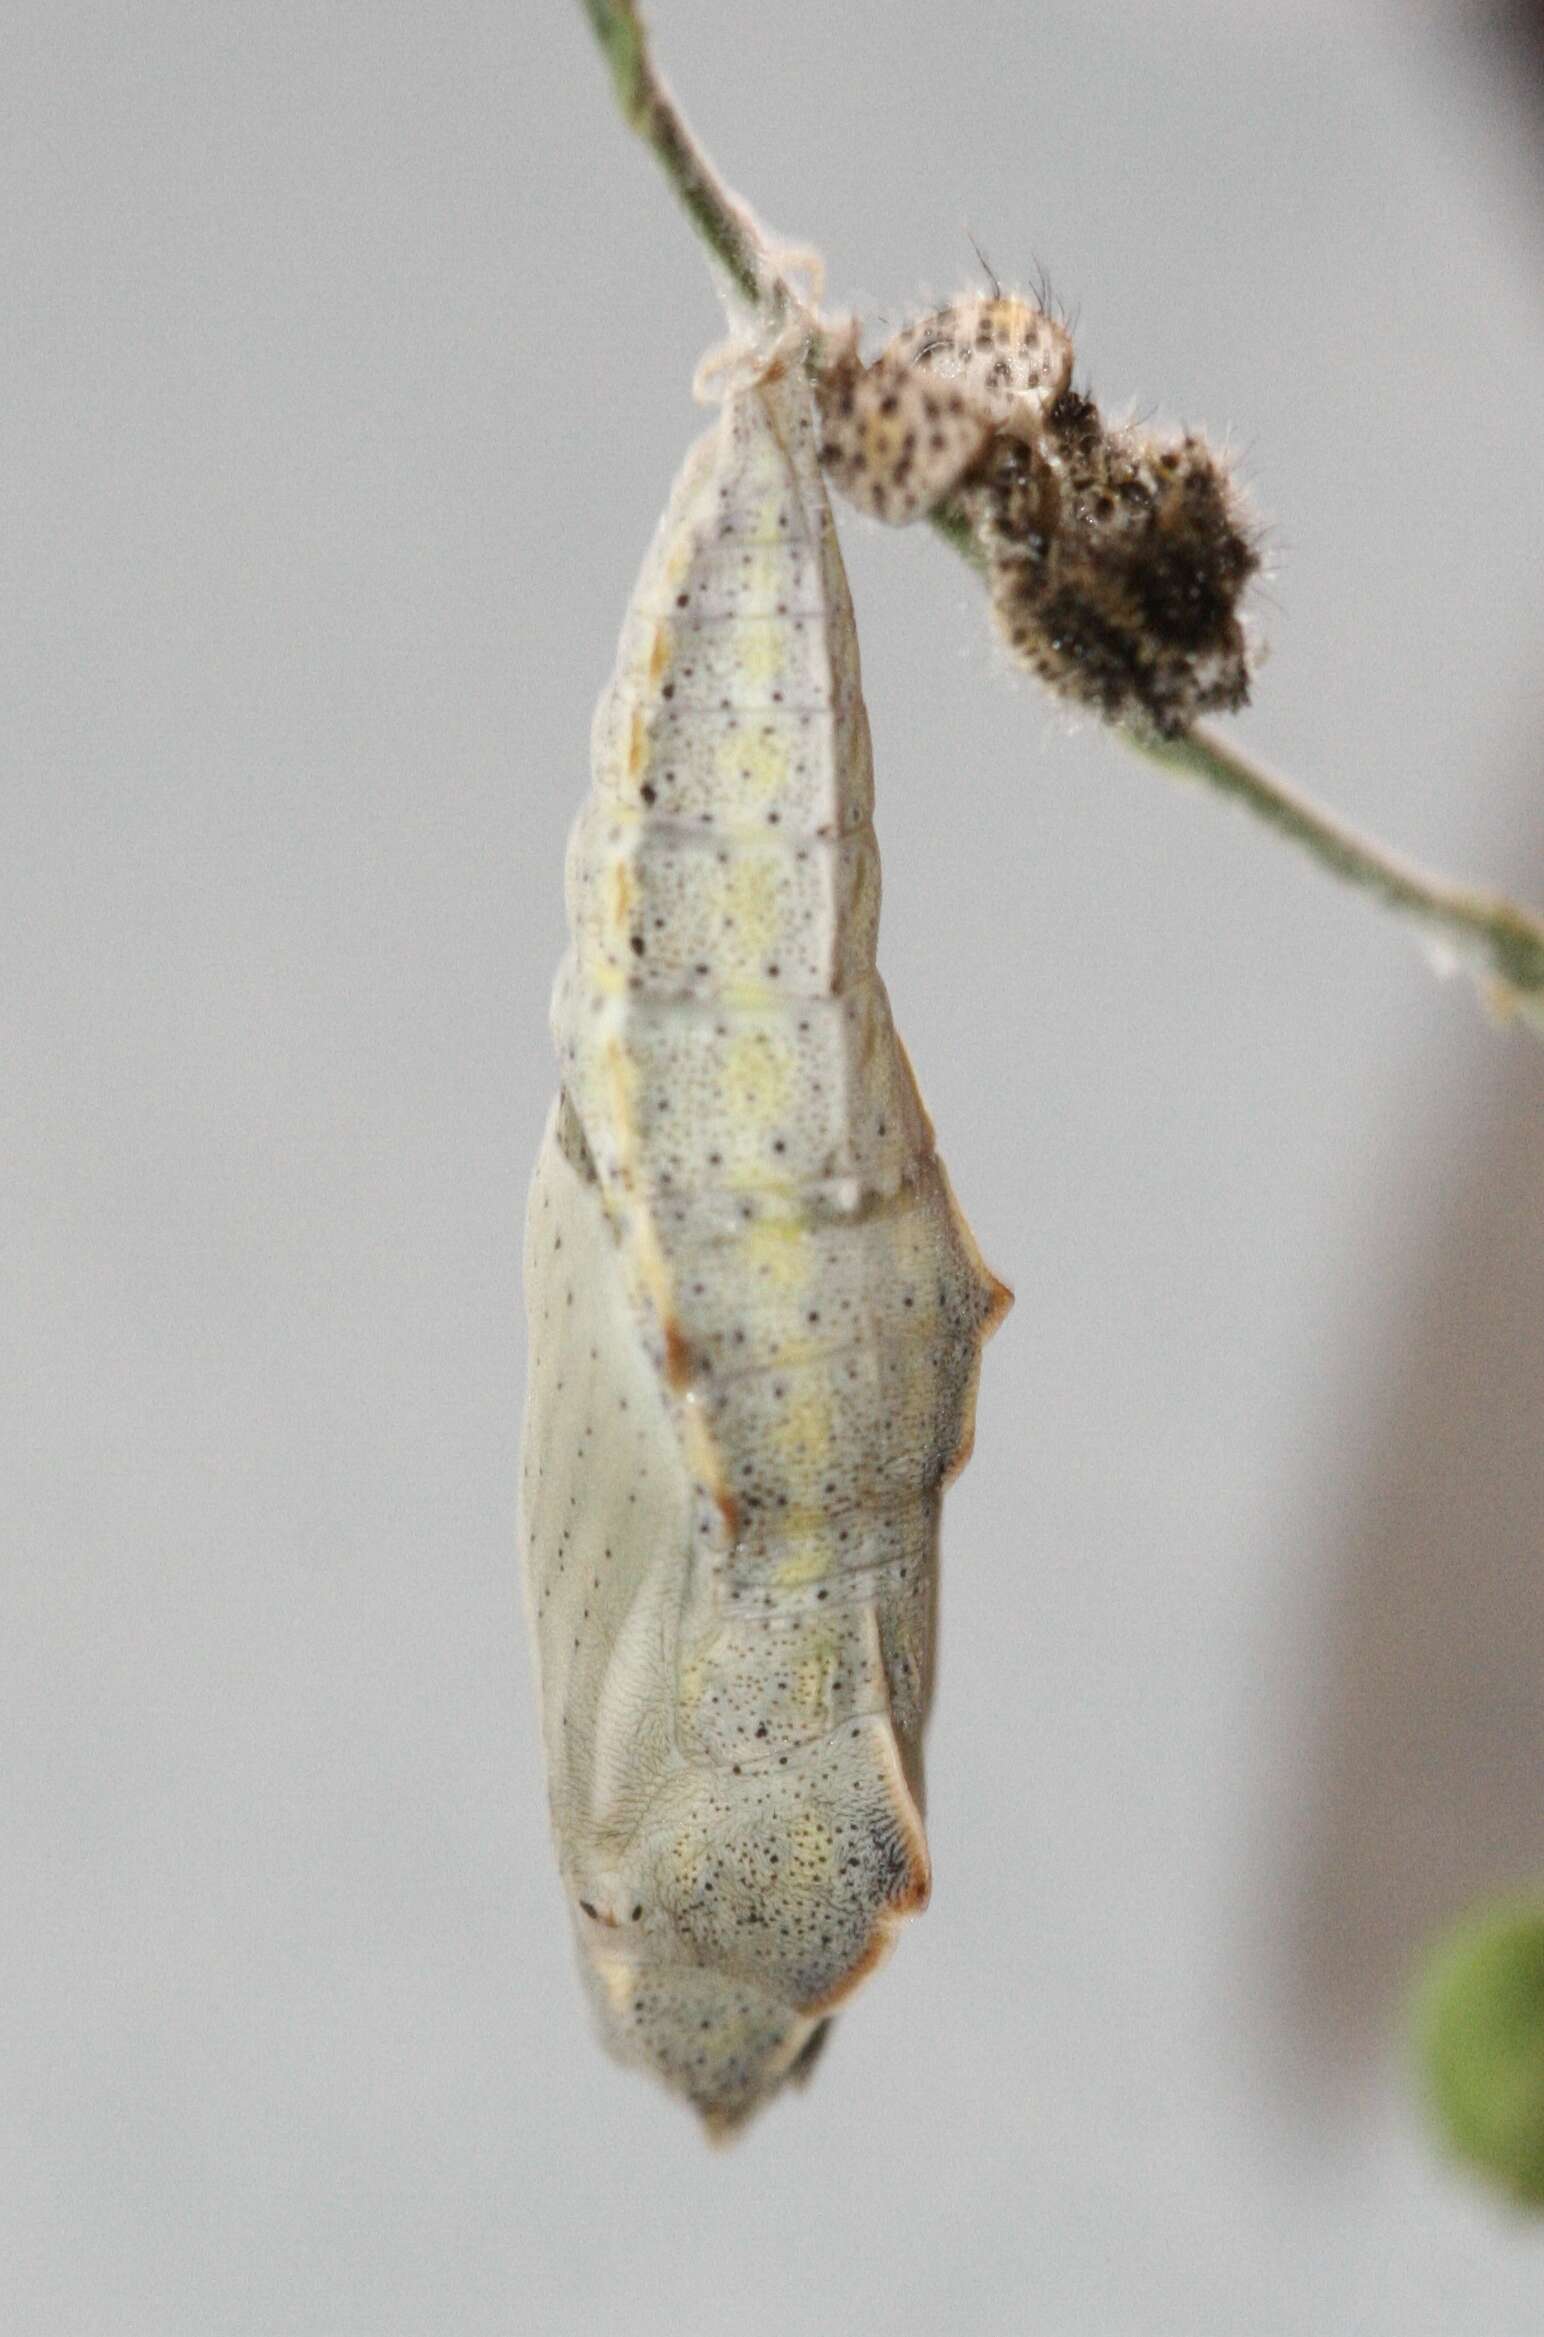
{"points": [[647, 107], [1501, 944]]}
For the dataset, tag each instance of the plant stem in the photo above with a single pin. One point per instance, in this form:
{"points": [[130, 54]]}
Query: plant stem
{"points": [[1497, 942], [648, 108], [1501, 944]]}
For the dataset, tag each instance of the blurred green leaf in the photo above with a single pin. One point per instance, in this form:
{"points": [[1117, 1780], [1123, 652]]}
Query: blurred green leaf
{"points": [[1479, 2035]]}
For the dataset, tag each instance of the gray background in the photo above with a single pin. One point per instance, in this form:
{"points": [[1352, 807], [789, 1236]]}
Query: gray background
{"points": [[346, 363]]}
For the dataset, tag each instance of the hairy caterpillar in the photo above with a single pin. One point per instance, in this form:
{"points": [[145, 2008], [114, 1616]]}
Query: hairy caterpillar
{"points": [[755, 1310], [1116, 558]]}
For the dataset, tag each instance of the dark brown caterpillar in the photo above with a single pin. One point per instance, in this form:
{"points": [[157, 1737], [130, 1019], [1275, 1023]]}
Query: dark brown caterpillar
{"points": [[1117, 558]]}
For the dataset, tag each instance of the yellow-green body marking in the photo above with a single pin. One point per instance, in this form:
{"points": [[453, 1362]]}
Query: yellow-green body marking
{"points": [[756, 1313]]}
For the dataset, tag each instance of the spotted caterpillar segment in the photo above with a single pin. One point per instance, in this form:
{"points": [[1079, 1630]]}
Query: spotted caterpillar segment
{"points": [[1116, 558], [900, 434], [756, 1312]]}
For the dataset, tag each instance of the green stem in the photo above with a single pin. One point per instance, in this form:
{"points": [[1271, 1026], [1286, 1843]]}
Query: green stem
{"points": [[1496, 940], [648, 108], [1501, 944]]}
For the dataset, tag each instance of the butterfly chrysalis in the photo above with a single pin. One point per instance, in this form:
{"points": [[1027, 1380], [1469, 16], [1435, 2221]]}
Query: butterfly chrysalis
{"points": [[756, 1312]]}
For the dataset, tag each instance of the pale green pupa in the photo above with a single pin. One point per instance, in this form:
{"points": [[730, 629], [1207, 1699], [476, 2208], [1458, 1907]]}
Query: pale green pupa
{"points": [[755, 1310]]}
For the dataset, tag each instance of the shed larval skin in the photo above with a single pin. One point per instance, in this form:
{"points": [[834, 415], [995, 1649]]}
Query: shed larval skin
{"points": [[756, 1313]]}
